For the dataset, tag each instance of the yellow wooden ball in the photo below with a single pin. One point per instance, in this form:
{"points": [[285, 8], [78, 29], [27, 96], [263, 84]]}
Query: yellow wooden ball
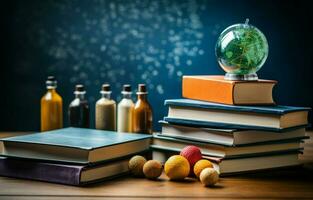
{"points": [[200, 165], [177, 167]]}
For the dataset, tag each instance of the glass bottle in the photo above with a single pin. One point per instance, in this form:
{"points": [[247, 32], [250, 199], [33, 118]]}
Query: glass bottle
{"points": [[106, 110], [142, 112], [125, 111], [78, 111], [51, 107]]}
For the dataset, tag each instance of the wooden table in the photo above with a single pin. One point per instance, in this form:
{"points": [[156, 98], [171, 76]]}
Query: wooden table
{"points": [[296, 183]]}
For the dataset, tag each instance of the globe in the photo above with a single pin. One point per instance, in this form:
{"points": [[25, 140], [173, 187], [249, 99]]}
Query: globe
{"points": [[241, 51]]}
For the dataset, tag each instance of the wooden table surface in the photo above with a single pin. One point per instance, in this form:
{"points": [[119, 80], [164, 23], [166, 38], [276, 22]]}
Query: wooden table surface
{"points": [[296, 183]]}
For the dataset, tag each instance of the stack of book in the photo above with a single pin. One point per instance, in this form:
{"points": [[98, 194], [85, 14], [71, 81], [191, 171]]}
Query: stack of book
{"points": [[73, 156], [234, 123]]}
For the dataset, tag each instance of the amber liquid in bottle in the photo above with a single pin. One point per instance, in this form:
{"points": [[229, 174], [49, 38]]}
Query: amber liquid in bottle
{"points": [[51, 107], [142, 112], [78, 111]]}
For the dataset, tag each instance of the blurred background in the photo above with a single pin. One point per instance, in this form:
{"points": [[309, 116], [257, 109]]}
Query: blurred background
{"points": [[140, 41]]}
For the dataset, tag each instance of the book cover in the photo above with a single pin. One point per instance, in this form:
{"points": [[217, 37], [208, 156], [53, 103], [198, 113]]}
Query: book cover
{"points": [[199, 142], [75, 145], [220, 159], [227, 131], [56, 172], [275, 110], [225, 151], [217, 89], [211, 124], [207, 114], [227, 136], [68, 174], [252, 164], [80, 138]]}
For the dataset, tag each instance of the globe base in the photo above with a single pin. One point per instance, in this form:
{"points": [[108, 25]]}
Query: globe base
{"points": [[237, 77]]}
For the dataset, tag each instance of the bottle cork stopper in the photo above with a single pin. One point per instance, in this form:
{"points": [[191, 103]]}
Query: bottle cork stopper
{"points": [[51, 82], [51, 78], [142, 88], [79, 88], [106, 87], [127, 88]]}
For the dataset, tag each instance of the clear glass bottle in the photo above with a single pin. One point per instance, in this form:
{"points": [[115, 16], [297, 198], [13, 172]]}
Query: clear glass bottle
{"points": [[78, 111], [125, 111], [106, 110], [142, 112], [51, 107]]}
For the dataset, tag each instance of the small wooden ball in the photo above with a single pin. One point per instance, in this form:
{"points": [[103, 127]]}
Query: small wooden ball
{"points": [[177, 167], [152, 169], [135, 165], [200, 165], [209, 177]]}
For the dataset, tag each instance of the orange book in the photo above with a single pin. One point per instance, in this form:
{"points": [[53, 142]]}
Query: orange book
{"points": [[217, 89]]}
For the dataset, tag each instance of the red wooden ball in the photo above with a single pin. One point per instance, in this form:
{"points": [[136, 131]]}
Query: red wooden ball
{"points": [[192, 154]]}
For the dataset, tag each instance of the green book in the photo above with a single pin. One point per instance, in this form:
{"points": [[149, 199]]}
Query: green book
{"points": [[75, 145]]}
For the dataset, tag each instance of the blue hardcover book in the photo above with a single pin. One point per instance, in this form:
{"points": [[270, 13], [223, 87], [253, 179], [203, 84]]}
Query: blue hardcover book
{"points": [[228, 137], [236, 165], [227, 151], [206, 114], [75, 145]]}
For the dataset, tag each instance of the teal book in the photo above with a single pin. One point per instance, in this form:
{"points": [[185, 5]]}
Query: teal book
{"points": [[228, 137], [205, 114], [227, 151], [75, 145], [240, 165]]}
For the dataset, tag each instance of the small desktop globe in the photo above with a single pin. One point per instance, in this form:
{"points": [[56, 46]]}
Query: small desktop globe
{"points": [[241, 50]]}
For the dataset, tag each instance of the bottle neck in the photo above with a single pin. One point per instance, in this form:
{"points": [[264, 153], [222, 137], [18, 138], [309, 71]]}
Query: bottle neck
{"points": [[80, 96], [127, 95], [51, 89], [106, 95], [142, 97]]}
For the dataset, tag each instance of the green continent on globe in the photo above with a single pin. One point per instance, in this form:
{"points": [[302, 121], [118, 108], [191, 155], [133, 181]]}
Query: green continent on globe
{"points": [[241, 49]]}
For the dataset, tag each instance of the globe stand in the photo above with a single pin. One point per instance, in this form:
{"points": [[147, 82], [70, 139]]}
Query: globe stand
{"points": [[238, 77]]}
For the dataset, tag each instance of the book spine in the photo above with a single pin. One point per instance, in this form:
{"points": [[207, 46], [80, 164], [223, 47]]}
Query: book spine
{"points": [[63, 174], [208, 90]]}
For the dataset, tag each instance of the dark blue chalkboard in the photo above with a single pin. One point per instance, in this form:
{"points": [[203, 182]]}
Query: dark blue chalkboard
{"points": [[140, 41]]}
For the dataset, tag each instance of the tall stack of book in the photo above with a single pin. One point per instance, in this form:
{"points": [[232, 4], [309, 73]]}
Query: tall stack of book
{"points": [[235, 124], [73, 156]]}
